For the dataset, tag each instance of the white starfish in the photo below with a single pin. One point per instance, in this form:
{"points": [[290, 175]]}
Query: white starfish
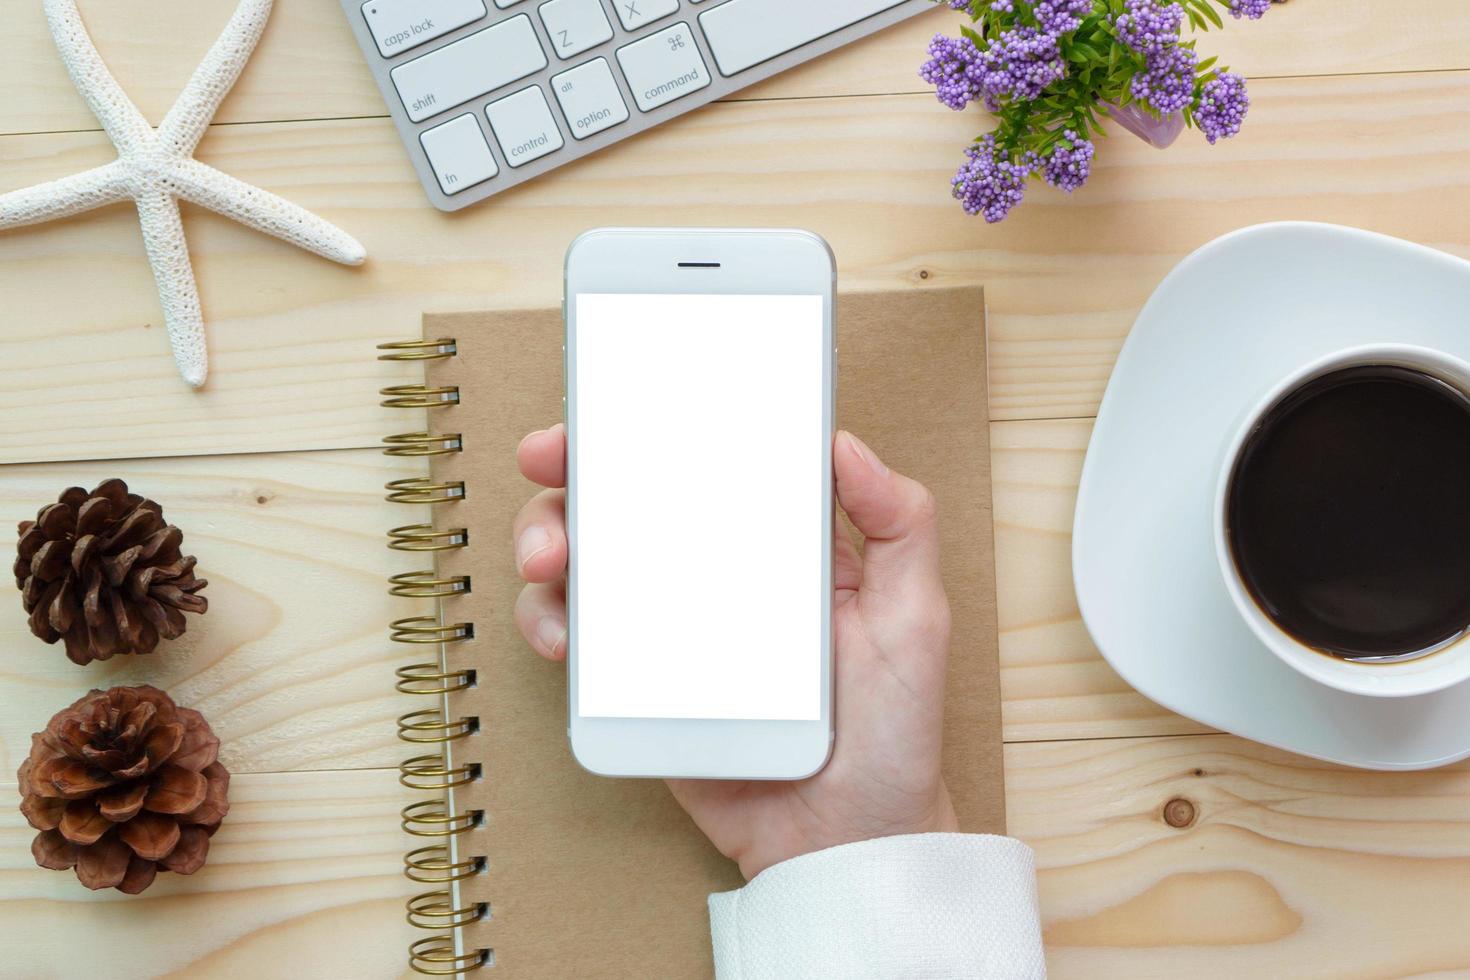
{"points": [[156, 169]]}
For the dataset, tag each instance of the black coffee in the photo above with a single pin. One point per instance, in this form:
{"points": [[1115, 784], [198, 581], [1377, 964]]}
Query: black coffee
{"points": [[1349, 513]]}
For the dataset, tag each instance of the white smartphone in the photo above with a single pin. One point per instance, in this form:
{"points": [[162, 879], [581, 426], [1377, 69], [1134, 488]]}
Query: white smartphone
{"points": [[700, 370]]}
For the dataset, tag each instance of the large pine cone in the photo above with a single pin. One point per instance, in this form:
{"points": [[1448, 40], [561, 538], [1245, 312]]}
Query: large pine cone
{"points": [[123, 784], [102, 571]]}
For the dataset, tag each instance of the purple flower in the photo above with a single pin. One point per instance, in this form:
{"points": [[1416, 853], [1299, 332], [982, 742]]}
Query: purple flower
{"points": [[1254, 9], [948, 70], [989, 183], [1068, 166], [1061, 16], [1148, 26], [1167, 83], [1021, 63], [1222, 106], [1015, 68]]}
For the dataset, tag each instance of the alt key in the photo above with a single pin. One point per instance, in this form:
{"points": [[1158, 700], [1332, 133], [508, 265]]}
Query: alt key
{"points": [[590, 98]]}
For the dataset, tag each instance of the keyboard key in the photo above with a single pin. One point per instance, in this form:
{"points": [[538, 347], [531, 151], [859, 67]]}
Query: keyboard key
{"points": [[663, 67], [744, 33], [398, 25], [524, 126], [635, 13], [470, 67], [459, 154], [589, 98], [575, 25]]}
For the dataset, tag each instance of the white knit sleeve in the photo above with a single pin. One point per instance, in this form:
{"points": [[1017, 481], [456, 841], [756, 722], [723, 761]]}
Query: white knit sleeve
{"points": [[917, 907]]}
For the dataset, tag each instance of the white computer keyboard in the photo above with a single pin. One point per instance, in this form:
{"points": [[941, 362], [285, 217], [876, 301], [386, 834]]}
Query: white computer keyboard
{"points": [[490, 93]]}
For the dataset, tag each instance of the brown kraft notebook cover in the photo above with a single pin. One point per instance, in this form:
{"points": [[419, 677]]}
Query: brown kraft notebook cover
{"points": [[586, 876]]}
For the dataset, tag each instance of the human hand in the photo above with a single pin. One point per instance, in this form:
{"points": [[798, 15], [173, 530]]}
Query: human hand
{"points": [[891, 633]]}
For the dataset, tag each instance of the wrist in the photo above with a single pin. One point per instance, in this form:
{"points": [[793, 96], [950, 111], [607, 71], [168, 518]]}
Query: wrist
{"points": [[937, 817], [945, 821]]}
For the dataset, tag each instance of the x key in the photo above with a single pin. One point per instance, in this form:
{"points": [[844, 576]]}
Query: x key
{"points": [[635, 13]]}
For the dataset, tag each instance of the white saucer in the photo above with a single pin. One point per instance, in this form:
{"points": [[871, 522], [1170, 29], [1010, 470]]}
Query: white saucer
{"points": [[1231, 320]]}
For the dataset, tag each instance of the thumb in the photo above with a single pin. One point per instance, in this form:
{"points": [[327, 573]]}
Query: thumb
{"points": [[898, 518]]}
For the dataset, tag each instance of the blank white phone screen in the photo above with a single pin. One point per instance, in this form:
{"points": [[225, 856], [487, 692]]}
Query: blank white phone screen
{"points": [[699, 468]]}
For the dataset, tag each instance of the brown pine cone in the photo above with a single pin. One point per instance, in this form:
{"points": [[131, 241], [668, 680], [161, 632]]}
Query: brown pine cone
{"points": [[103, 572], [123, 784]]}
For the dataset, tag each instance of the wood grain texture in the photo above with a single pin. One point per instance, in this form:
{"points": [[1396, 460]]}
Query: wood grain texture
{"points": [[1054, 683], [292, 664], [304, 879], [1280, 866], [291, 335], [1288, 868], [309, 67]]}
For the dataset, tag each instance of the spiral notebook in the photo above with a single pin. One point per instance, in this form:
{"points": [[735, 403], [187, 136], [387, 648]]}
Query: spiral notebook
{"points": [[532, 868]]}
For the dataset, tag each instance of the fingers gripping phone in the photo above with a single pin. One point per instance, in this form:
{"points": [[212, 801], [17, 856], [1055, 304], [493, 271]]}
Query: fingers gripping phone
{"points": [[700, 369]]}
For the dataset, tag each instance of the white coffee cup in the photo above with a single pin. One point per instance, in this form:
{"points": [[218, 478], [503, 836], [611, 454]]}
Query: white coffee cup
{"points": [[1431, 672]]}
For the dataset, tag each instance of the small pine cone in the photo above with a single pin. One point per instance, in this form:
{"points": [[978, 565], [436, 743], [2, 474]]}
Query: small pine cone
{"points": [[121, 785], [104, 572]]}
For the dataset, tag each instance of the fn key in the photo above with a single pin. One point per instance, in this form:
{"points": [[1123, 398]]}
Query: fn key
{"points": [[458, 154]]}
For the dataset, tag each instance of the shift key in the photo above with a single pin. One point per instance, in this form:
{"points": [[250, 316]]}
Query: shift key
{"points": [[468, 68]]}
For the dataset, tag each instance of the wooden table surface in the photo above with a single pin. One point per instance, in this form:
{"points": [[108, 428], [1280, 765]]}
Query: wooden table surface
{"points": [[1285, 867]]}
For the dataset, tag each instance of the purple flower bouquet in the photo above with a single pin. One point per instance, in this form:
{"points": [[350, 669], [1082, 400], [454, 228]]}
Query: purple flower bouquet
{"points": [[1051, 70]]}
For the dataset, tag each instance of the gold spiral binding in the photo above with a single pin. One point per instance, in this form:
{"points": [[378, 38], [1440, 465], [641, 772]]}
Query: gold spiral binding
{"points": [[424, 629], [433, 865], [433, 818], [419, 396], [423, 444], [429, 727], [437, 956], [431, 679], [425, 585], [425, 537], [419, 350], [421, 491], [429, 772], [435, 910]]}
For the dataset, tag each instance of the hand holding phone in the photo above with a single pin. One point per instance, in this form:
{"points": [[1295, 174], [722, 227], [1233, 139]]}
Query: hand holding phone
{"points": [[891, 632]]}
